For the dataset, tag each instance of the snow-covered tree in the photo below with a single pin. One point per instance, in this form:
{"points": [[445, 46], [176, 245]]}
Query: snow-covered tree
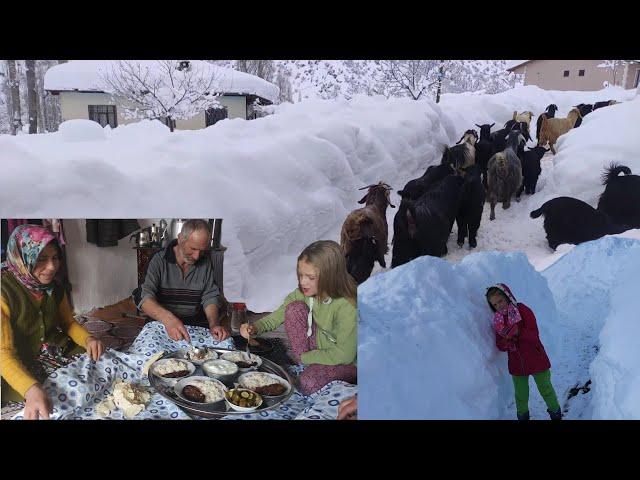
{"points": [[284, 84], [13, 81], [32, 95], [408, 78], [617, 68], [265, 69], [165, 89], [487, 76], [4, 108]]}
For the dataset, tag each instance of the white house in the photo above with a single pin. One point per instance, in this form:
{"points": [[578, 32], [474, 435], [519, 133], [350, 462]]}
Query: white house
{"points": [[81, 87], [578, 75]]}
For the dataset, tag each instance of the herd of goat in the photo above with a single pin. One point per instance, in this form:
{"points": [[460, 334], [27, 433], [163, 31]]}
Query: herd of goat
{"points": [[493, 167]]}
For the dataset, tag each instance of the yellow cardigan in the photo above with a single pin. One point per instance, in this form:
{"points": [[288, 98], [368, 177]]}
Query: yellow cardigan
{"points": [[11, 368]]}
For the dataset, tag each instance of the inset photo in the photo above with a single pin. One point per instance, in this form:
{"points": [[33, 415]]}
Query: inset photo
{"points": [[133, 319]]}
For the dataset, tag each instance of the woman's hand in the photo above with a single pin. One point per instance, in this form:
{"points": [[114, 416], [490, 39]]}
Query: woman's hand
{"points": [[94, 348], [348, 409], [37, 403], [247, 330]]}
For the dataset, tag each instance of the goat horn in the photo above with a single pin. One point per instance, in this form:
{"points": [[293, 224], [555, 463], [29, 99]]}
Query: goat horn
{"points": [[368, 186]]}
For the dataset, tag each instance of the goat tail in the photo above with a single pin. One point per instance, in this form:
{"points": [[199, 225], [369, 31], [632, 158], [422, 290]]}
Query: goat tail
{"points": [[613, 171], [537, 213]]}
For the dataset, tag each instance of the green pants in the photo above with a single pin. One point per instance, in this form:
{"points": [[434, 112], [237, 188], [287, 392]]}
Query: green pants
{"points": [[543, 381]]}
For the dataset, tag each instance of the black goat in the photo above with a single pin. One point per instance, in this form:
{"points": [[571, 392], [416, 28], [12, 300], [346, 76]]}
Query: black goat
{"points": [[585, 109], [569, 220], [621, 197], [531, 169], [522, 126], [471, 206], [434, 213], [422, 226], [598, 105], [484, 150], [416, 187], [499, 137], [550, 112]]}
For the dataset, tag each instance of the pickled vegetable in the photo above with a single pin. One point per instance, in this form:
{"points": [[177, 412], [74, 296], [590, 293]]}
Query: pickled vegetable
{"points": [[243, 398]]}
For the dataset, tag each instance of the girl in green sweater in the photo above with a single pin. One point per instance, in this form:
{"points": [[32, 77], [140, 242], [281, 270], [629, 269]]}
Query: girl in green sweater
{"points": [[320, 318]]}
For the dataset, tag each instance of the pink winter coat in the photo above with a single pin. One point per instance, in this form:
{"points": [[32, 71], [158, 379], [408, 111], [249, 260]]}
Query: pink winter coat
{"points": [[529, 356]]}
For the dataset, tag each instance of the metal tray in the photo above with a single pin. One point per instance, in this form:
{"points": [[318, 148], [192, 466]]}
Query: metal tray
{"points": [[221, 410]]}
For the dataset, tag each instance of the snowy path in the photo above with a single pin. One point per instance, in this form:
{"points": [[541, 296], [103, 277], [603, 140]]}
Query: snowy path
{"points": [[514, 230]]}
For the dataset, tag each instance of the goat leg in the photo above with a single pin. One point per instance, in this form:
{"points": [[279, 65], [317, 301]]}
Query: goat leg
{"points": [[462, 230], [492, 199], [506, 204]]}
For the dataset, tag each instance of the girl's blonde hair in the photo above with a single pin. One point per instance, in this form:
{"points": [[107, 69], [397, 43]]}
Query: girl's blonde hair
{"points": [[333, 278]]}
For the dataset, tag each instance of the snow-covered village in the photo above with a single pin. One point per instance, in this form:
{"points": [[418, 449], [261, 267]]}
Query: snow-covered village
{"points": [[487, 211]]}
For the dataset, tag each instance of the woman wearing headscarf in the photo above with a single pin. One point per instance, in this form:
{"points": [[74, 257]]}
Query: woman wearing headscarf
{"points": [[38, 331]]}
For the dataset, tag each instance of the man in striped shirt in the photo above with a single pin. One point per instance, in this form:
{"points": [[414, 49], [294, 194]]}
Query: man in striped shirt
{"points": [[179, 287]]}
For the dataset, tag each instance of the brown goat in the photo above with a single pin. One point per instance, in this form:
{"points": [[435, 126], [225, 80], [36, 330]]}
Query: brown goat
{"points": [[364, 235], [552, 128]]}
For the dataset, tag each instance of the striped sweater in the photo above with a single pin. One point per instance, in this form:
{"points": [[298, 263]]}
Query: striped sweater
{"points": [[185, 297]]}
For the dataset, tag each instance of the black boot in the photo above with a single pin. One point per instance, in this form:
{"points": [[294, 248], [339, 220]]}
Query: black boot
{"points": [[557, 415], [523, 416]]}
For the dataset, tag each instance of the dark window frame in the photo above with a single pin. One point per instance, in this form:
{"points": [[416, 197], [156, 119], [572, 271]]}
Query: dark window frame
{"points": [[581, 73], [637, 82], [565, 73], [104, 115], [214, 115]]}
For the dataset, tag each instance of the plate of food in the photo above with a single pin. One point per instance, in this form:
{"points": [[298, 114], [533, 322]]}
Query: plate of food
{"points": [[245, 361], [201, 390], [170, 369], [202, 355], [266, 384], [243, 400]]}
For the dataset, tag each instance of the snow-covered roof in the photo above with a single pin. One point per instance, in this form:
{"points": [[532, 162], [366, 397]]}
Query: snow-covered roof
{"points": [[515, 63], [87, 75]]}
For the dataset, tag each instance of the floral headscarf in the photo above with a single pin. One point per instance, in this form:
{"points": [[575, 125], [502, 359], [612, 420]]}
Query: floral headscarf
{"points": [[504, 320], [25, 245]]}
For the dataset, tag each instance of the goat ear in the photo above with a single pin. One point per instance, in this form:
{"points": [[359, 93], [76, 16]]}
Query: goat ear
{"points": [[363, 199], [491, 126], [460, 140], [479, 126]]}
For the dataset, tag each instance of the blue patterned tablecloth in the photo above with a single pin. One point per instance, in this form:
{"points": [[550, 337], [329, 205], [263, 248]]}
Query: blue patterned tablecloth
{"points": [[78, 388]]}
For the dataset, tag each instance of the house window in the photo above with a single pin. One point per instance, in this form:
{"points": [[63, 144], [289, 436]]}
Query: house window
{"points": [[566, 73], [104, 115], [637, 82], [581, 73], [214, 115]]}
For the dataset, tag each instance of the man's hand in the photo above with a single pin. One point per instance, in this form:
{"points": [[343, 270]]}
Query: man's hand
{"points": [[94, 348], [37, 403], [219, 332], [348, 409], [247, 330], [175, 328]]}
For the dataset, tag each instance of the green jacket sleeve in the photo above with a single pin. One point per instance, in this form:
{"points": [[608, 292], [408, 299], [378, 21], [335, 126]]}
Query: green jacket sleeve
{"points": [[275, 319], [344, 351]]}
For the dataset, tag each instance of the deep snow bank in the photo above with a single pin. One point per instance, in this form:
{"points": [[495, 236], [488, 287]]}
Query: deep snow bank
{"points": [[427, 348], [596, 286], [280, 182]]}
